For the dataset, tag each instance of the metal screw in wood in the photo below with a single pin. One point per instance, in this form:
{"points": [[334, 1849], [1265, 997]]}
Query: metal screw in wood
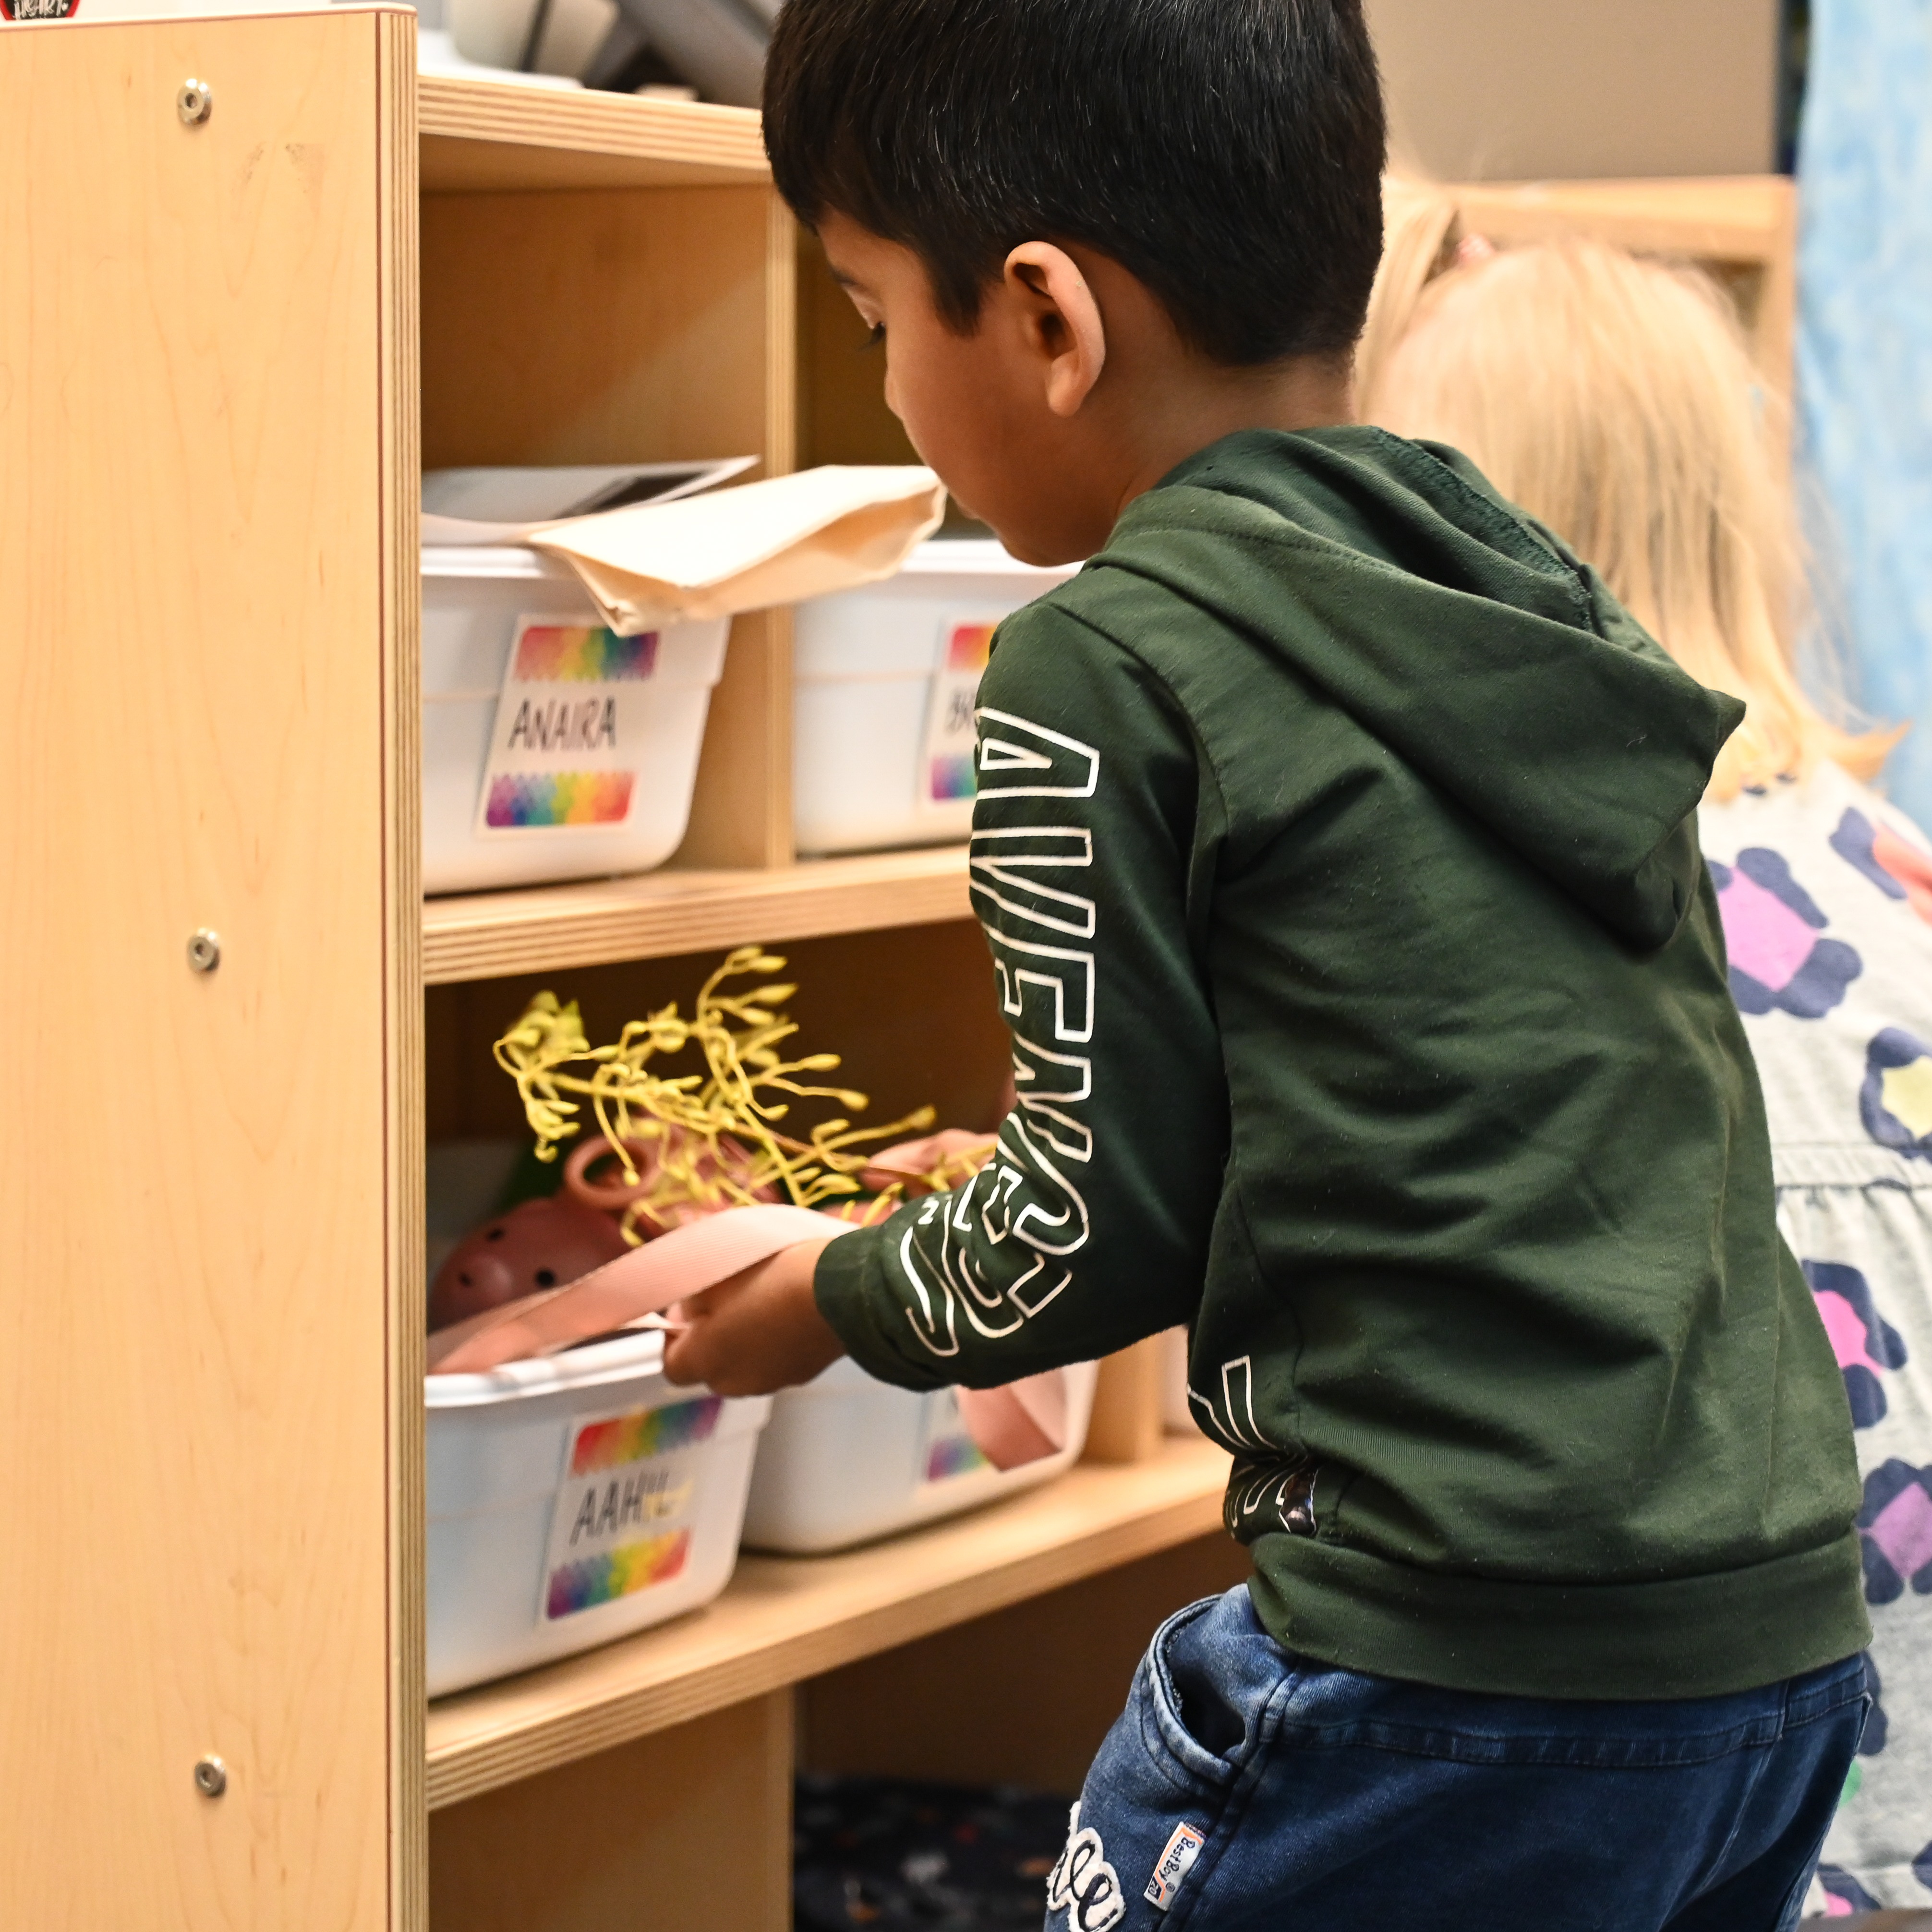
{"points": [[210, 1776], [195, 102]]}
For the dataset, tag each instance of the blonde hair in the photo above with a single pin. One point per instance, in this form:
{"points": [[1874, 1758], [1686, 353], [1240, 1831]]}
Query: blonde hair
{"points": [[1614, 399]]}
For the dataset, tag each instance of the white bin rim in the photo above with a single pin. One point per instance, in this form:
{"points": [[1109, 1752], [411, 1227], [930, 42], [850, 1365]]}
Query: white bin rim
{"points": [[936, 557], [511, 560], [621, 1359], [977, 557]]}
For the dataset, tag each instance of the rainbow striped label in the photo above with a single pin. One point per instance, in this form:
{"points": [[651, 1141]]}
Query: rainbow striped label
{"points": [[621, 1520], [642, 1434], [953, 1456], [558, 798], [568, 743], [946, 772], [622, 1572], [580, 654], [949, 777], [947, 1451]]}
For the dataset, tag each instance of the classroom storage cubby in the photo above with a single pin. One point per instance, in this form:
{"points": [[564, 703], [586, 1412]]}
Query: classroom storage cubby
{"points": [[229, 342]]}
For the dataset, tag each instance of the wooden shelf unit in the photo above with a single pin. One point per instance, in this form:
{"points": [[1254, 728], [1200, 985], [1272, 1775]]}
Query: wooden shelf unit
{"points": [[231, 346], [603, 277], [654, 915], [488, 135], [784, 1619], [1717, 218]]}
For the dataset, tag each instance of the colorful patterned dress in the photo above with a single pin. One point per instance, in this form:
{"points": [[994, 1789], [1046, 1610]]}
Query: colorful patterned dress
{"points": [[1826, 894]]}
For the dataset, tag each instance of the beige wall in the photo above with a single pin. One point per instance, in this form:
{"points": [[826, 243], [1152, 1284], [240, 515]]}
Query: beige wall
{"points": [[1510, 90]]}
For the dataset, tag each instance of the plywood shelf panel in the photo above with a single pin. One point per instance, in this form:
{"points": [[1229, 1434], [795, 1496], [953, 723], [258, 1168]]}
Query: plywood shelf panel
{"points": [[1724, 218], [208, 385], [488, 136], [784, 1619], [659, 915]]}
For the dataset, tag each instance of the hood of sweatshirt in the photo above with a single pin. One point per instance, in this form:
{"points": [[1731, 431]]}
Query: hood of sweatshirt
{"points": [[1462, 635]]}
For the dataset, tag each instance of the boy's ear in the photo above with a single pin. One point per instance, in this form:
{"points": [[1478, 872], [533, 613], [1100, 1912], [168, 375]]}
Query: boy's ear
{"points": [[1063, 321]]}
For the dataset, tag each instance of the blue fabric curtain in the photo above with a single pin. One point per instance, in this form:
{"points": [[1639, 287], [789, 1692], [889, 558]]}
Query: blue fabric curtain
{"points": [[1864, 356]]}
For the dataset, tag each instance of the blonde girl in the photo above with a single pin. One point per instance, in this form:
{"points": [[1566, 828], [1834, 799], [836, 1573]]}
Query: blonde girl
{"points": [[1614, 399]]}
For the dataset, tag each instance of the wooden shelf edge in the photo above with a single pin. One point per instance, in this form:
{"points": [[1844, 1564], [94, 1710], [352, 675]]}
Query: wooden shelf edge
{"points": [[784, 1619], [481, 135], [1728, 218], [656, 915]]}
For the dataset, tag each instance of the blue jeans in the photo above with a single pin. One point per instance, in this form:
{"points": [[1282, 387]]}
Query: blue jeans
{"points": [[1244, 1786]]}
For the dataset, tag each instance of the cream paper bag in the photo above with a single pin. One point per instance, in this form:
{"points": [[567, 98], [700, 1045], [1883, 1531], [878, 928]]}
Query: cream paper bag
{"points": [[745, 549]]}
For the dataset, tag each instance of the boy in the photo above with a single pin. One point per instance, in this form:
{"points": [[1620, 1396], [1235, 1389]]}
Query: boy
{"points": [[1369, 1014]]}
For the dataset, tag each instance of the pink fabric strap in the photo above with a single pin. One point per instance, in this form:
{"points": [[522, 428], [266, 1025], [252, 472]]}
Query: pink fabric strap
{"points": [[1011, 1426], [1019, 1423], [645, 1281]]}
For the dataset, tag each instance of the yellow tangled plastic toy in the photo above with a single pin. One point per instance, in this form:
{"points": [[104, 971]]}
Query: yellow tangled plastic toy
{"points": [[708, 1140]]}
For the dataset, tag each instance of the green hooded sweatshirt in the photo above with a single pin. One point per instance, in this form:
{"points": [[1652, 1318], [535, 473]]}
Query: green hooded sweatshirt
{"points": [[1335, 846]]}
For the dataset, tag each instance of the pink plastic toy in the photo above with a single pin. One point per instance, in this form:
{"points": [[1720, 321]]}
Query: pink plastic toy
{"points": [[538, 1246]]}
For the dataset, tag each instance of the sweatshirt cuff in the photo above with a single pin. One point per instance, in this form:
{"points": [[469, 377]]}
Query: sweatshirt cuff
{"points": [[847, 1286]]}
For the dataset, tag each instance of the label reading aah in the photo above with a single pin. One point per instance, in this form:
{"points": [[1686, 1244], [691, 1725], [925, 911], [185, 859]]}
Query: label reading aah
{"points": [[568, 741], [621, 1519], [946, 774]]}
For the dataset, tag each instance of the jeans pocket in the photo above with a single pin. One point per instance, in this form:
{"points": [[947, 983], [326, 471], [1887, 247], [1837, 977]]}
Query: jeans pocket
{"points": [[1212, 1675]]}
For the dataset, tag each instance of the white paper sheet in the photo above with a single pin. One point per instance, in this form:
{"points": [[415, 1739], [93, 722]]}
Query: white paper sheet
{"points": [[747, 549], [504, 505]]}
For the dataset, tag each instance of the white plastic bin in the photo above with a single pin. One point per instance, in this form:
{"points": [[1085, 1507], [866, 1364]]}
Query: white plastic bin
{"points": [[576, 1499], [1177, 1412], [845, 1459], [883, 682], [596, 775]]}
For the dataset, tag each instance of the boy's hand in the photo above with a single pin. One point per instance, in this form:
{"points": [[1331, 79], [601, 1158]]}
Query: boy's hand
{"points": [[759, 1331]]}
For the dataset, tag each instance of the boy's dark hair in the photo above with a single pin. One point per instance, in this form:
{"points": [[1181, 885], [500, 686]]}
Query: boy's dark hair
{"points": [[1227, 153]]}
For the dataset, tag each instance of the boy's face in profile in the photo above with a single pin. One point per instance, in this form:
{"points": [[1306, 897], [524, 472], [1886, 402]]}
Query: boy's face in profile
{"points": [[1073, 391], [976, 405]]}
